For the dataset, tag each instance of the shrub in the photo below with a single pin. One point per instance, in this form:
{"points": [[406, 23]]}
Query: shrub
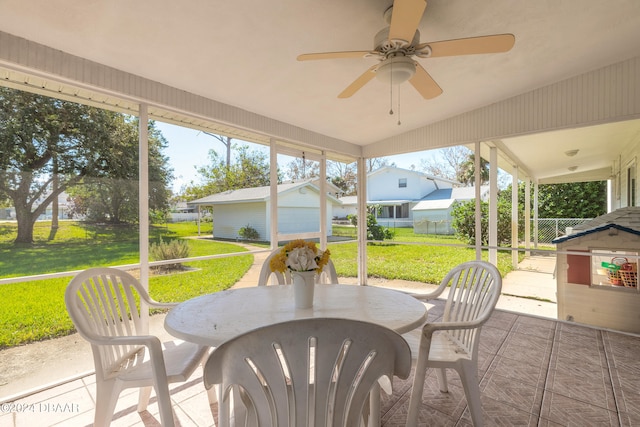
{"points": [[249, 233], [374, 230], [464, 222], [169, 250]]}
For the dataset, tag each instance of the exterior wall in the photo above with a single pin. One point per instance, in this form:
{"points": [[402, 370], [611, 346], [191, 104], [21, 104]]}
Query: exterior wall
{"points": [[228, 219], [384, 186], [625, 169], [341, 211], [299, 212], [602, 306]]}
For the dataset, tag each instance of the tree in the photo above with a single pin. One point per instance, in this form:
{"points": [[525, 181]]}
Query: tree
{"points": [[37, 132], [467, 173], [375, 163], [572, 200], [114, 198], [300, 168], [248, 169], [344, 176], [447, 163], [226, 141]]}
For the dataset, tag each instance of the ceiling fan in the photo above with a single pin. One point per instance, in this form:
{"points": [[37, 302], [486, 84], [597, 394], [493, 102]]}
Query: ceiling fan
{"points": [[396, 45]]}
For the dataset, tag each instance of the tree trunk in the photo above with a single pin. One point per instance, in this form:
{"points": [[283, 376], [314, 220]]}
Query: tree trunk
{"points": [[26, 219]]}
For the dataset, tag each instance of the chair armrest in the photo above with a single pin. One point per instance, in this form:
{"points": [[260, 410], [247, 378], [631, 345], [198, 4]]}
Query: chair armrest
{"points": [[153, 303], [156, 304], [430, 328], [431, 295], [149, 341]]}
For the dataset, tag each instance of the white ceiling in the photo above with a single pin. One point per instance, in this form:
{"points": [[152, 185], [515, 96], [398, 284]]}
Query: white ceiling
{"points": [[243, 53]]}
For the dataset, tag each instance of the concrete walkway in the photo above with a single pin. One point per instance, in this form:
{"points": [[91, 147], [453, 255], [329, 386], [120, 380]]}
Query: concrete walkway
{"points": [[528, 290]]}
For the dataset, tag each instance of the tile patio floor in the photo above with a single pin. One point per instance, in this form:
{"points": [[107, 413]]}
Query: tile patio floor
{"points": [[533, 372]]}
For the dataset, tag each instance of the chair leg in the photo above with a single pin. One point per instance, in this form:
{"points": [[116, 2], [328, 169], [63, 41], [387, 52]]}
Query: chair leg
{"points": [[469, 376], [442, 380], [164, 406], [143, 400], [107, 393], [418, 386]]}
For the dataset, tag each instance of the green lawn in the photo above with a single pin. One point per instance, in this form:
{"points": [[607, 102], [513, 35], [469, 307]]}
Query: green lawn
{"points": [[35, 310]]}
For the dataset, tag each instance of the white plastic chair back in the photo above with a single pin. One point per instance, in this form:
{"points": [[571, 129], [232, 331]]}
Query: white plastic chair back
{"points": [[268, 277], [474, 288], [306, 372], [103, 305]]}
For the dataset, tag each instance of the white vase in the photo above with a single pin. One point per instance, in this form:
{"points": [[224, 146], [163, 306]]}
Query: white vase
{"points": [[303, 286]]}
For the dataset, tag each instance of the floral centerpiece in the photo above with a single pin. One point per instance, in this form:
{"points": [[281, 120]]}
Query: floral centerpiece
{"points": [[299, 256]]}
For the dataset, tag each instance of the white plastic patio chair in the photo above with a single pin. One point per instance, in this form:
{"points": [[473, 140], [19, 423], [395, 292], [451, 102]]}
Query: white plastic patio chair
{"points": [[267, 277], [474, 289], [102, 303], [306, 372]]}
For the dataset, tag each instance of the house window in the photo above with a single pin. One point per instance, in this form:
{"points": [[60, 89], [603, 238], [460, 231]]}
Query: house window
{"points": [[626, 277], [402, 211], [402, 183], [386, 212]]}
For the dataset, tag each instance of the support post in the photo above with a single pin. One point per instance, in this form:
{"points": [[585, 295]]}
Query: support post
{"points": [[323, 201], [362, 221], [493, 205], [535, 215], [273, 193], [514, 218], [478, 216], [143, 206], [527, 216]]}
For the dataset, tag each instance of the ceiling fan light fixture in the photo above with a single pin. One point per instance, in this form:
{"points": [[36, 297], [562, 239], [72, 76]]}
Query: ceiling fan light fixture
{"points": [[397, 70]]}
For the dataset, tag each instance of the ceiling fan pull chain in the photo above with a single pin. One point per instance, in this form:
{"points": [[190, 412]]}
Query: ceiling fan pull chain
{"points": [[391, 91], [399, 106]]}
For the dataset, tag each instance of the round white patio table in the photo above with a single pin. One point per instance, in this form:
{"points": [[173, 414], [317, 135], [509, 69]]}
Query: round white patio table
{"points": [[214, 318]]}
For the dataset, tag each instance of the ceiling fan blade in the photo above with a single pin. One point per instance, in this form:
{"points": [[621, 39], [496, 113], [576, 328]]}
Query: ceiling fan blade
{"points": [[405, 17], [334, 55], [424, 83], [359, 82], [470, 46]]}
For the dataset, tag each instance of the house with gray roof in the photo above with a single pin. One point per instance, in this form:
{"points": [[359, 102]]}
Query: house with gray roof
{"points": [[409, 198], [298, 210]]}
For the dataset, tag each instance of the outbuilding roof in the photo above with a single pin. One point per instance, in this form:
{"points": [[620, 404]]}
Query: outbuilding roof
{"points": [[255, 194], [624, 219], [444, 198]]}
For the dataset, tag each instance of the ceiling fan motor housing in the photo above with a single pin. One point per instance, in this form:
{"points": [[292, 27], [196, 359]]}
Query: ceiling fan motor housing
{"points": [[382, 44]]}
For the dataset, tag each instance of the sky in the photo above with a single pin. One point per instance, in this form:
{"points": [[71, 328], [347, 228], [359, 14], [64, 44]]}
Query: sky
{"points": [[188, 149]]}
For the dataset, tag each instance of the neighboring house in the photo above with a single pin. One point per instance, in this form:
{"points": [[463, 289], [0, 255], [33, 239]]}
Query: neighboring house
{"points": [[432, 214], [64, 204], [298, 210], [349, 206], [408, 198], [179, 211], [396, 191]]}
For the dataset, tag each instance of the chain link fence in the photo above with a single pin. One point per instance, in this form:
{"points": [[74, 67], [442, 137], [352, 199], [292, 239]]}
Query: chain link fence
{"points": [[551, 228]]}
